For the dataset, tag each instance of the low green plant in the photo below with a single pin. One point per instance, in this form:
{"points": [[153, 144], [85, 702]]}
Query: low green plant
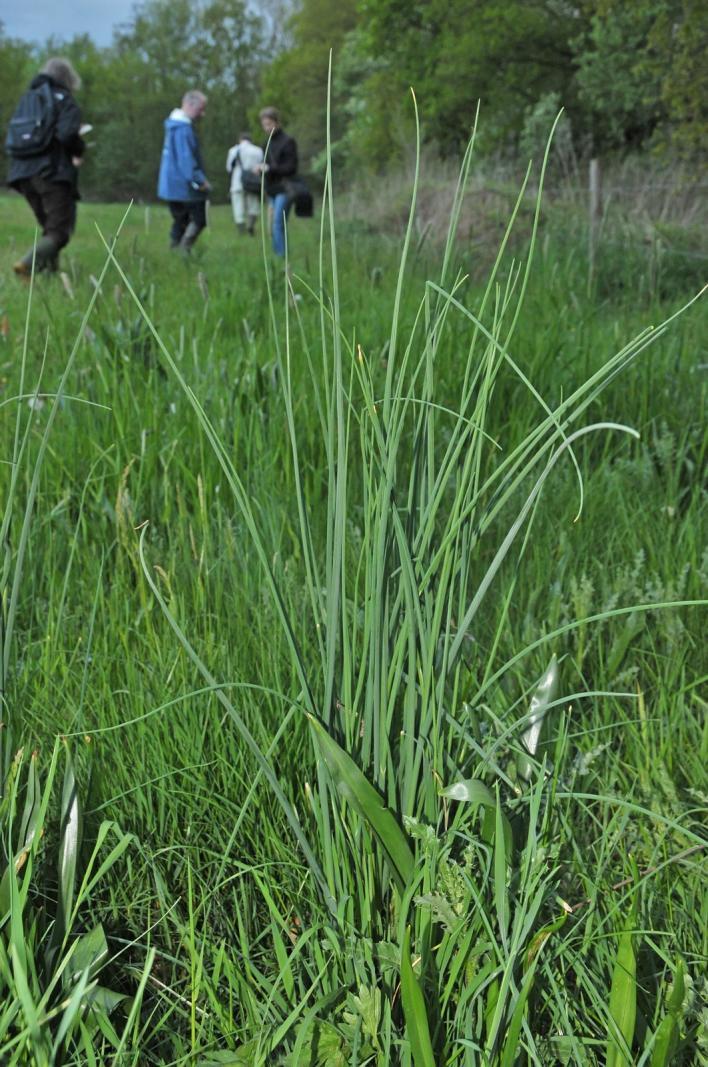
{"points": [[54, 1005]]}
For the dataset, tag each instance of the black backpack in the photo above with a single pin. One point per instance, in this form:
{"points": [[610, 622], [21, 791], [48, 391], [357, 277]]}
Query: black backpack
{"points": [[31, 128]]}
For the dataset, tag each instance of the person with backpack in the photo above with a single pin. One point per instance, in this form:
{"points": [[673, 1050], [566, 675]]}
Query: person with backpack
{"points": [[46, 149], [242, 158], [182, 181]]}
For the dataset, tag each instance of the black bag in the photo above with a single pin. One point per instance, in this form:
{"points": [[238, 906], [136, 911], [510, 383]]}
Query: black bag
{"points": [[31, 128], [300, 196], [251, 182]]}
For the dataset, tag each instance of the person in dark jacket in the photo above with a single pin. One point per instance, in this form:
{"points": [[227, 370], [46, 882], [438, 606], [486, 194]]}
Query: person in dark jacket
{"points": [[49, 181], [280, 163], [182, 181]]}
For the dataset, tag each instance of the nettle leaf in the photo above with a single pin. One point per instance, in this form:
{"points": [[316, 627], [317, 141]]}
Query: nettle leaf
{"points": [[325, 1047], [368, 1006], [90, 952], [441, 908]]}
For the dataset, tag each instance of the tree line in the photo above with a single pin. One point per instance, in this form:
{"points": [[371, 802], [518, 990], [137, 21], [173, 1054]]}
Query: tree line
{"points": [[630, 76]]}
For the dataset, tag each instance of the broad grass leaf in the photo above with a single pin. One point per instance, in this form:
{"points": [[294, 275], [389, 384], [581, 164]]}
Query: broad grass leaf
{"points": [[30, 815], [30, 1010], [511, 1042], [623, 998], [540, 937], [490, 1006], [667, 1033], [414, 1010], [501, 893], [633, 625], [358, 791]]}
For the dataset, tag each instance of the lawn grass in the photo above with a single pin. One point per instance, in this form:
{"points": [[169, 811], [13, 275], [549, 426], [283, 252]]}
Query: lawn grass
{"points": [[295, 634]]}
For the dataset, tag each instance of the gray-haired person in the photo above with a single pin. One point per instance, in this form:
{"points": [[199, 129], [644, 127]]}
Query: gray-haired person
{"points": [[45, 154], [182, 181]]}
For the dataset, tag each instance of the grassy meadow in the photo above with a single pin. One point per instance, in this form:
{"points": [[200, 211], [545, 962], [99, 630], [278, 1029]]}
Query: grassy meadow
{"points": [[353, 646]]}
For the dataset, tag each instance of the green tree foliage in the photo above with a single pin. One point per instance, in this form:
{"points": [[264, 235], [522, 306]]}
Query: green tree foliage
{"points": [[16, 66], [684, 79], [458, 52], [642, 71], [376, 120], [296, 80]]}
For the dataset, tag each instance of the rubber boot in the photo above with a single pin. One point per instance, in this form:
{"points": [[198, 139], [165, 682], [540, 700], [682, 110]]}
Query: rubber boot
{"points": [[251, 226], [190, 236], [46, 257]]}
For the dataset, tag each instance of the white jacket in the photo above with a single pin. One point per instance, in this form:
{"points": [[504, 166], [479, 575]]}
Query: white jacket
{"points": [[249, 156]]}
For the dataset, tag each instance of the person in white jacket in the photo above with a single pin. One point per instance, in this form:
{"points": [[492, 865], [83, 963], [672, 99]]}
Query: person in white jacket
{"points": [[244, 156]]}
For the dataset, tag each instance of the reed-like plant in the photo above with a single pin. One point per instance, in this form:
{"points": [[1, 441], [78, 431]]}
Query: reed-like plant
{"points": [[435, 865]]}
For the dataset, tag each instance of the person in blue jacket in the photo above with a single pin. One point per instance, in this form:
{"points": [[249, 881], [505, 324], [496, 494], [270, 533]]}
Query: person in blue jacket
{"points": [[182, 182]]}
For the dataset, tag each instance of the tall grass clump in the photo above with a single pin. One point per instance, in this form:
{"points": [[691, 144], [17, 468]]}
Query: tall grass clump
{"points": [[54, 1005], [425, 770]]}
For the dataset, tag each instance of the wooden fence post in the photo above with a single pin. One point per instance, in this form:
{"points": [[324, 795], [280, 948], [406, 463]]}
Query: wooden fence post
{"points": [[595, 185]]}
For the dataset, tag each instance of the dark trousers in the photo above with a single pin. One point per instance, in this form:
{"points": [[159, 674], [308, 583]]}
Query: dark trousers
{"points": [[186, 215], [54, 207]]}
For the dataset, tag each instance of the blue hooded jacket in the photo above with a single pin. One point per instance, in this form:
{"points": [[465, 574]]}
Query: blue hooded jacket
{"points": [[181, 169]]}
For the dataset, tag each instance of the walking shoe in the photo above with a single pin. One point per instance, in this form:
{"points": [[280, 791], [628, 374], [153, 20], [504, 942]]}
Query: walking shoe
{"points": [[22, 269]]}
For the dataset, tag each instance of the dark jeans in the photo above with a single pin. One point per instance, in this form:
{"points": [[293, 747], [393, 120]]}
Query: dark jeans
{"points": [[186, 214], [54, 206]]}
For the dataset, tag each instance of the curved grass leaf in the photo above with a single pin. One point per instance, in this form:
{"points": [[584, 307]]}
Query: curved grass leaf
{"points": [[70, 843], [471, 790], [543, 697], [358, 791], [414, 1012], [474, 791]]}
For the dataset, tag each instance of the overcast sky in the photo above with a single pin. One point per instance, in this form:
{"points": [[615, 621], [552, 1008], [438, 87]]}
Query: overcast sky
{"points": [[36, 20]]}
